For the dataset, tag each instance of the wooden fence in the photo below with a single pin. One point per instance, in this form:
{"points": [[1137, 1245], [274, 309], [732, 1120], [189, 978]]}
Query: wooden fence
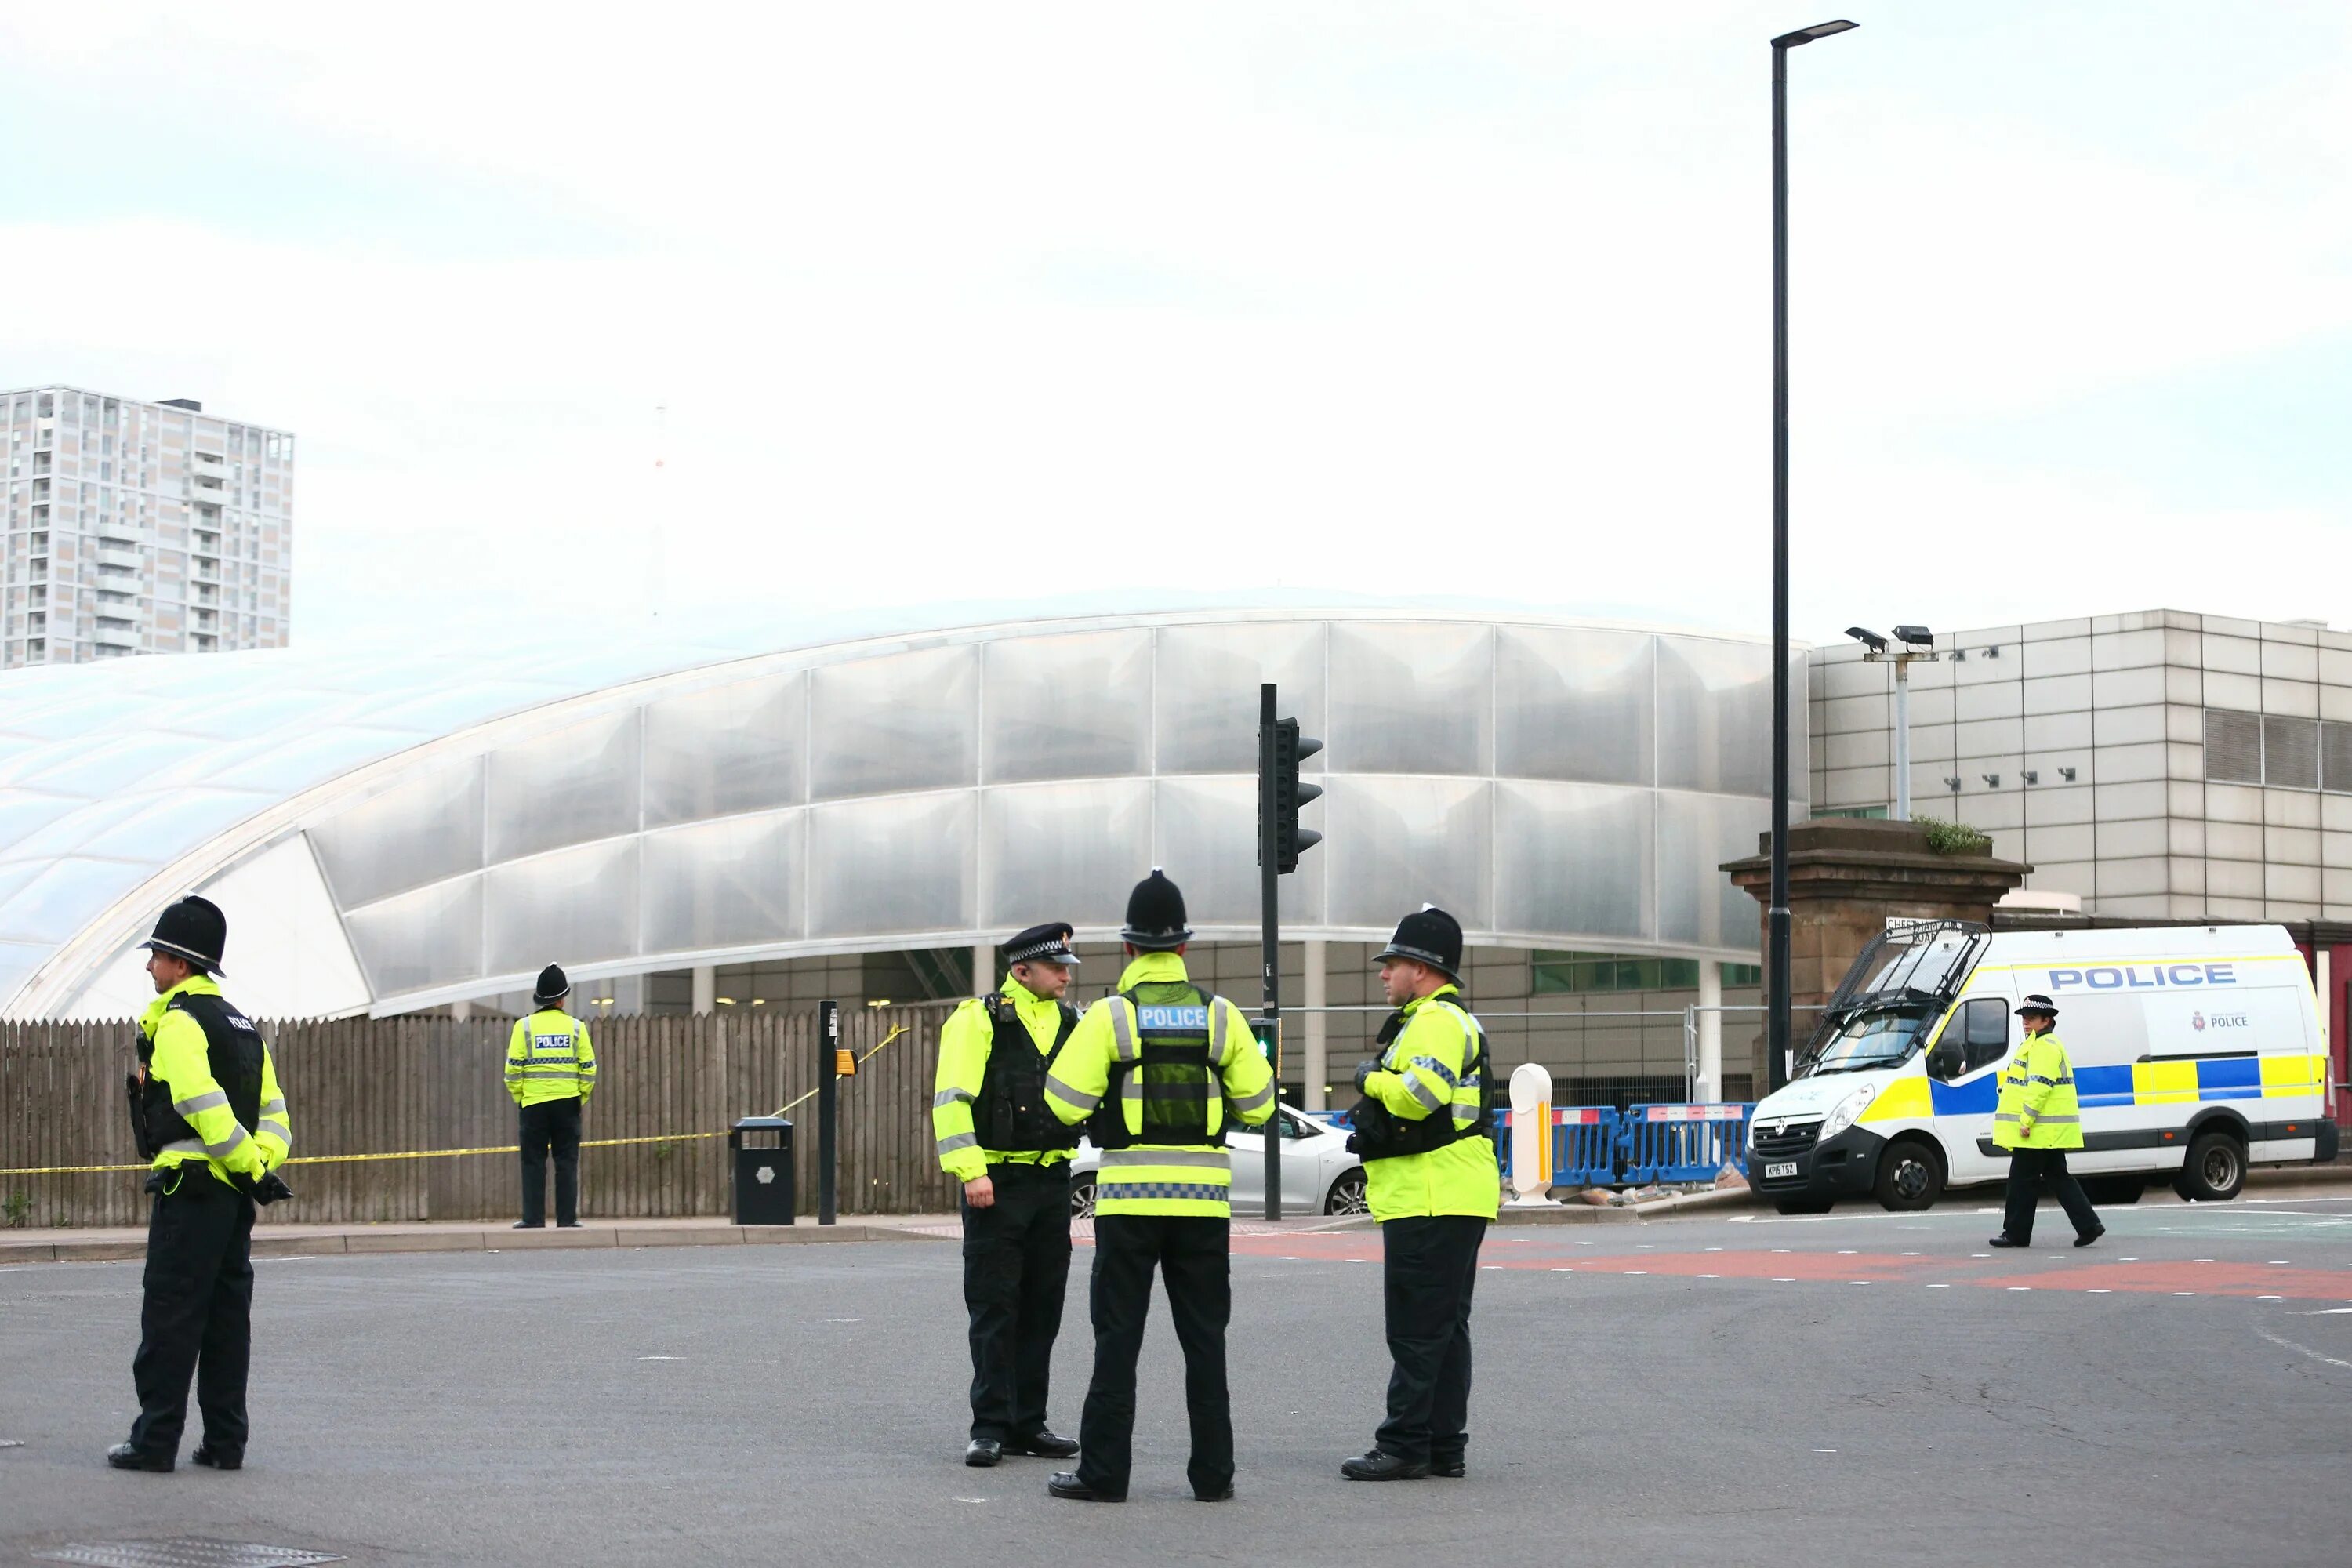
{"points": [[401, 1086]]}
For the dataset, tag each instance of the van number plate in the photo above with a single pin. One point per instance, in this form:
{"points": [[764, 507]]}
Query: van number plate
{"points": [[1785, 1168]]}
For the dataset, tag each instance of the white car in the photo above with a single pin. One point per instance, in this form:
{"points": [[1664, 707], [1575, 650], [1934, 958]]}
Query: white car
{"points": [[1319, 1173]]}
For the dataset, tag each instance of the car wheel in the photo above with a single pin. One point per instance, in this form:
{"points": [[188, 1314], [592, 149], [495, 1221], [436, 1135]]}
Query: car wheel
{"points": [[1910, 1176], [2215, 1170], [1082, 1198], [1346, 1195]]}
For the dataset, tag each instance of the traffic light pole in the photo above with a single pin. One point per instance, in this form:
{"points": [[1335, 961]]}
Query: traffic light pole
{"points": [[828, 1042], [1269, 877]]}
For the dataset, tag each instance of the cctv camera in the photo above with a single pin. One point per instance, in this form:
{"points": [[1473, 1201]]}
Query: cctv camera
{"points": [[1917, 636], [1868, 639]]}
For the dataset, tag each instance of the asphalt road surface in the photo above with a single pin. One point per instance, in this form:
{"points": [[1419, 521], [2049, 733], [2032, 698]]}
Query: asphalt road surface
{"points": [[1864, 1388]]}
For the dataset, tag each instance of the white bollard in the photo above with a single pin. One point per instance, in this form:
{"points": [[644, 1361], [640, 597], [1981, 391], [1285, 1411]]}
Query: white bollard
{"points": [[1530, 1134]]}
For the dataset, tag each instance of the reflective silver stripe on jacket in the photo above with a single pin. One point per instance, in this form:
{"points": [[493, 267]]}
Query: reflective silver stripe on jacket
{"points": [[285, 1134], [955, 1141], [1217, 1032], [948, 1097], [1252, 1101], [194, 1103], [183, 1146], [275, 1107], [1208, 1159], [1429, 1098], [1071, 1097], [1122, 1030]]}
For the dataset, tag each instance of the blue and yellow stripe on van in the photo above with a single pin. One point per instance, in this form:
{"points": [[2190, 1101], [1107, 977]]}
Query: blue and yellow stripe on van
{"points": [[2182, 1082]]}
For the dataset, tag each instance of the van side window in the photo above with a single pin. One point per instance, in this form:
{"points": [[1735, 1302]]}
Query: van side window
{"points": [[1984, 1031]]}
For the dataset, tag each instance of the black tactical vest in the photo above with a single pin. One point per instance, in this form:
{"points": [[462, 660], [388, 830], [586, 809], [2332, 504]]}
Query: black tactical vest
{"points": [[232, 1045], [1182, 1089], [1009, 1115], [1379, 1133]]}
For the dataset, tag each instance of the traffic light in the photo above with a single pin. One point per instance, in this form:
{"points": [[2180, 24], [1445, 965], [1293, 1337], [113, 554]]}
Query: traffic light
{"points": [[1290, 840]]}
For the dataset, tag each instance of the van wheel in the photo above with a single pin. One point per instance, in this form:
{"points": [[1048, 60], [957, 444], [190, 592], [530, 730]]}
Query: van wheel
{"points": [[1082, 1198], [1910, 1176], [2113, 1192], [2215, 1171], [1802, 1205]]}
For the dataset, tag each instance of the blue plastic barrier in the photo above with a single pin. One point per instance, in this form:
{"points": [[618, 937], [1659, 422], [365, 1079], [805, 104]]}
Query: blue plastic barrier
{"points": [[1584, 1140], [1684, 1142]]}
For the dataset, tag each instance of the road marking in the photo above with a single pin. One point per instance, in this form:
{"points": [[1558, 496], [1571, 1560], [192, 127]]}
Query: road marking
{"points": [[2184, 1292], [2101, 1290], [1857, 1281], [657, 1358], [1826, 1450], [1846, 1251], [2329, 1312], [1941, 1285], [1910, 1255], [1710, 1276], [2021, 1287], [1637, 1271], [2300, 1350]]}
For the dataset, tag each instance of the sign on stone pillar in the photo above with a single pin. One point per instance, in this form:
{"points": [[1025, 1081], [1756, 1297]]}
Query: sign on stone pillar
{"points": [[1847, 878]]}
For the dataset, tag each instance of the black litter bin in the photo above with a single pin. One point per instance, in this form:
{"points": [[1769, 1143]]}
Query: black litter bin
{"points": [[762, 1151]]}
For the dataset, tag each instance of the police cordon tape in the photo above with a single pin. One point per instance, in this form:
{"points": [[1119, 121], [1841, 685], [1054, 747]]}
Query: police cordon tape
{"points": [[444, 1153]]}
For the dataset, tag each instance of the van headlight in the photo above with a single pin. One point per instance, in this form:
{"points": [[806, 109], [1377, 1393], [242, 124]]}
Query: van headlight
{"points": [[1847, 1110]]}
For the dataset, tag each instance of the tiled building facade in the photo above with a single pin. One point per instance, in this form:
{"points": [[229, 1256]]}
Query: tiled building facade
{"points": [[135, 527], [2160, 765]]}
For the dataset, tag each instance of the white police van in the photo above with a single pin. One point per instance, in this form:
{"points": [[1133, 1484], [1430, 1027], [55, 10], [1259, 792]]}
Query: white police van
{"points": [[2196, 1051]]}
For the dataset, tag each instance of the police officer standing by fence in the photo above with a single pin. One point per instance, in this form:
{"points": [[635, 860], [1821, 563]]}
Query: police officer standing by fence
{"points": [[1158, 1072], [551, 1072], [1423, 1130], [2038, 1119], [997, 1136], [206, 1108]]}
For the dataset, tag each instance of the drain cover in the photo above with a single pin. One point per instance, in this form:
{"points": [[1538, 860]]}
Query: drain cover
{"points": [[187, 1552]]}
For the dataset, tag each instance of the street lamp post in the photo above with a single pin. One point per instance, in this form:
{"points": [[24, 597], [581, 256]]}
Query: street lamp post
{"points": [[1918, 643], [1776, 957]]}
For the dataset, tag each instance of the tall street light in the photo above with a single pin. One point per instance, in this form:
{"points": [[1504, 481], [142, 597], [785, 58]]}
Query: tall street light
{"points": [[1918, 643], [1776, 958]]}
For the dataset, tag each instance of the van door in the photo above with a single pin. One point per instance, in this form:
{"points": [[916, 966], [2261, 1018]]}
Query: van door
{"points": [[1964, 1084]]}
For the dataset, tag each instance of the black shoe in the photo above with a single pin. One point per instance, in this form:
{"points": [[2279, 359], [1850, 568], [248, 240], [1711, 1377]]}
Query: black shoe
{"points": [[1042, 1445], [982, 1452], [569, 1224], [123, 1457], [213, 1458], [1452, 1469], [2087, 1240], [1224, 1496], [528, 1225], [1379, 1465], [2005, 1240], [1066, 1483]]}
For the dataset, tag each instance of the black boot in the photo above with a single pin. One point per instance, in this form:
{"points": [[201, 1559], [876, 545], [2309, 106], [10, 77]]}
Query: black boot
{"points": [[1066, 1484], [982, 1452], [1379, 1465], [1042, 1445], [213, 1458], [123, 1457]]}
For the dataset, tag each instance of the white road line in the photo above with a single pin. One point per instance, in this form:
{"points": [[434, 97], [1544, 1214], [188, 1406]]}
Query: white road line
{"points": [[1784, 1280], [2100, 1291], [2300, 1350], [1941, 1285], [1710, 1276]]}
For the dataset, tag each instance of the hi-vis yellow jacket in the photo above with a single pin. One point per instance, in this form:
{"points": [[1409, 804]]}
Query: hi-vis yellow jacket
{"points": [[1426, 1072], [1161, 1179], [181, 1061], [549, 1058], [2038, 1108]]}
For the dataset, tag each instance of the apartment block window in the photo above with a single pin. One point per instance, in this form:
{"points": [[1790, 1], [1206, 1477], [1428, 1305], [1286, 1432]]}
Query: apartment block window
{"points": [[2277, 750], [1583, 974]]}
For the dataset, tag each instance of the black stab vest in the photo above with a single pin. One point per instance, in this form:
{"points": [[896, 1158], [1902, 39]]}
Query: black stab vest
{"points": [[233, 1048], [1180, 1080], [1011, 1116]]}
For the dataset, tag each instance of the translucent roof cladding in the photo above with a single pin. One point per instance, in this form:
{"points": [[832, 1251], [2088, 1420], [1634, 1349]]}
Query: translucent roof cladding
{"points": [[111, 772]]}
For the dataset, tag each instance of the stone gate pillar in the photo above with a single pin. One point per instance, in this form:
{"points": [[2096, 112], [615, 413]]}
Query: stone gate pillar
{"points": [[1847, 878]]}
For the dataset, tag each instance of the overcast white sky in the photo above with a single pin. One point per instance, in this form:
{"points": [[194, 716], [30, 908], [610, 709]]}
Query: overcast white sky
{"points": [[965, 300]]}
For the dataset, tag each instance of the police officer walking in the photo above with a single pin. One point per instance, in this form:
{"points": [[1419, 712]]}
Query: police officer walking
{"points": [[206, 1108], [551, 1072], [1423, 1130], [1158, 1072], [998, 1138], [2037, 1121]]}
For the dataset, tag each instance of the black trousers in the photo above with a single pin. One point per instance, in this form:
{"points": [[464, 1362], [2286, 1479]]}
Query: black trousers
{"points": [[1430, 1267], [197, 1315], [551, 1125], [2030, 1170], [1192, 1257], [1016, 1269]]}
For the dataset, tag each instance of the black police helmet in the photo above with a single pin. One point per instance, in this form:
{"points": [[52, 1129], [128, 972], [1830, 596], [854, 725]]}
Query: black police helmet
{"points": [[552, 987], [1429, 935], [194, 929], [1155, 915]]}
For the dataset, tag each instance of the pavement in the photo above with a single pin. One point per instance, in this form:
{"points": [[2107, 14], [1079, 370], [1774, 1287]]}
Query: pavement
{"points": [[1857, 1388]]}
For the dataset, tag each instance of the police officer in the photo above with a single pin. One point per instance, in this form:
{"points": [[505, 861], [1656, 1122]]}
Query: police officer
{"points": [[207, 1111], [2037, 1121], [1423, 1130], [551, 1072], [1012, 1155], [1158, 1072]]}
